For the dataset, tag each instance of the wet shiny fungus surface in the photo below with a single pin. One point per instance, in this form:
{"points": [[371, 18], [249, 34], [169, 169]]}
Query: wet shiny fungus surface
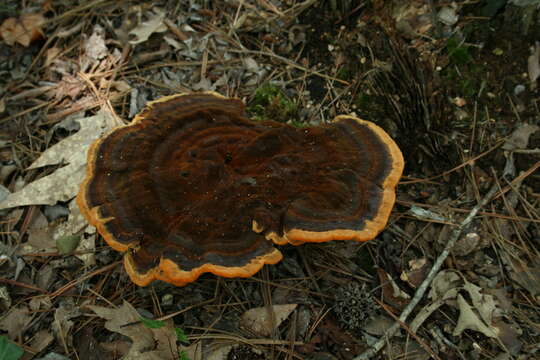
{"points": [[193, 186]]}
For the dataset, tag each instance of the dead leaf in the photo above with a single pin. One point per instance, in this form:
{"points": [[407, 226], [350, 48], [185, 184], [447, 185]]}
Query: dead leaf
{"points": [[41, 340], [70, 86], [469, 320], [447, 15], [50, 55], [39, 235], [418, 269], [220, 352], [526, 276], [259, 320], [74, 225], [509, 336], [484, 304], [142, 32], [95, 48], [62, 323], [148, 344], [533, 63], [16, 321], [5, 298], [391, 293], [447, 288], [520, 137], [63, 184], [378, 325], [23, 30], [443, 282]]}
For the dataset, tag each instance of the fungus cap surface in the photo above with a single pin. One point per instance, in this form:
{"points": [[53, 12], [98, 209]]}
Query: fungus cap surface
{"points": [[193, 186]]}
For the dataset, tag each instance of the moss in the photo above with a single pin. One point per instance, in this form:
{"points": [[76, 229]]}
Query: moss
{"points": [[458, 53], [373, 105], [269, 103], [462, 69]]}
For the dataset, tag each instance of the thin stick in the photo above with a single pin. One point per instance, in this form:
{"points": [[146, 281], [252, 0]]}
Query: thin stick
{"points": [[425, 284]]}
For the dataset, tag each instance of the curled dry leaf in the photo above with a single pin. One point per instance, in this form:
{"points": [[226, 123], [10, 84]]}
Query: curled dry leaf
{"points": [[148, 343], [392, 294], [23, 30], [142, 32], [418, 269], [259, 320]]}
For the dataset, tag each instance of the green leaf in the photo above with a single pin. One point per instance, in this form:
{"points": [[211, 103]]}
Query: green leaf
{"points": [[67, 244], [10, 351], [181, 335], [152, 324]]}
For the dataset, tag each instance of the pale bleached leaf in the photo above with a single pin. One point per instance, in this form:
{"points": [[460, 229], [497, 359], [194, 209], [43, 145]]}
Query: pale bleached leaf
{"points": [[63, 184], [468, 320]]}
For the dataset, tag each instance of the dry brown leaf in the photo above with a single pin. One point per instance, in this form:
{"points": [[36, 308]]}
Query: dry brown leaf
{"points": [[39, 234], [50, 55], [142, 32], [62, 323], [16, 321], [526, 276], [391, 293], [41, 340], [23, 30], [418, 269], [118, 347], [520, 137], [148, 344], [259, 320]]}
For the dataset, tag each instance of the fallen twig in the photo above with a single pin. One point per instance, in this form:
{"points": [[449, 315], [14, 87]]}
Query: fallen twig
{"points": [[425, 284]]}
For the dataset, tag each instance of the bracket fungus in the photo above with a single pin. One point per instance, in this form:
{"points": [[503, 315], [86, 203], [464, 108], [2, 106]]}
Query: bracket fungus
{"points": [[193, 186]]}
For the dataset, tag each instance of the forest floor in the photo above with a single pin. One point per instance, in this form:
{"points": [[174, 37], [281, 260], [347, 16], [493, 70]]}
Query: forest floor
{"points": [[454, 83]]}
